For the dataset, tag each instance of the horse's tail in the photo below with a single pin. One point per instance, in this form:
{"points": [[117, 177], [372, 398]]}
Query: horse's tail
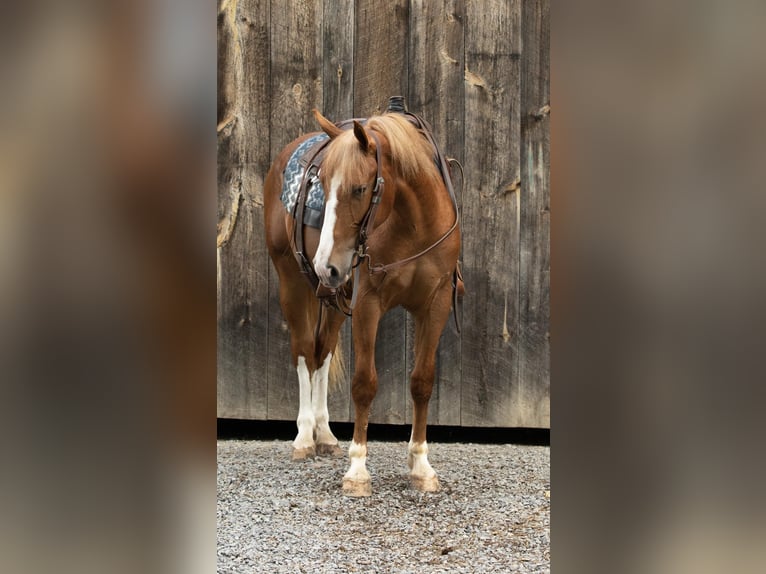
{"points": [[337, 375]]}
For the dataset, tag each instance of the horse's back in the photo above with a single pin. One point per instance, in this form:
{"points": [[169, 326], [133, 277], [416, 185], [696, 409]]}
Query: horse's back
{"points": [[275, 213]]}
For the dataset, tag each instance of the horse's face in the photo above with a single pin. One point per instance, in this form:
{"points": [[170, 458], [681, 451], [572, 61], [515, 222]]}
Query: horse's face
{"points": [[348, 175]]}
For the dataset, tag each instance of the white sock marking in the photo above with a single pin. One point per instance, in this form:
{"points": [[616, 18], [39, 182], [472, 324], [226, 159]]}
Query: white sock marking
{"points": [[319, 399], [305, 438], [357, 472], [417, 459]]}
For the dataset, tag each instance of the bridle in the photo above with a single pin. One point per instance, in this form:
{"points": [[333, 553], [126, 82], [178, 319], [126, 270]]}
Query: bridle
{"points": [[367, 222]]}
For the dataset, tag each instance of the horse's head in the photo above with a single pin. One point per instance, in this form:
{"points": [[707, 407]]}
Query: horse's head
{"points": [[348, 176]]}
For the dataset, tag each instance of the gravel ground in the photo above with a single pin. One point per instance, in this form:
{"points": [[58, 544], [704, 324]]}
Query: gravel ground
{"points": [[491, 515]]}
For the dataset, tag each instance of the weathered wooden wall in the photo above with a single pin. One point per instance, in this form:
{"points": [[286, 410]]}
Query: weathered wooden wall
{"points": [[479, 73]]}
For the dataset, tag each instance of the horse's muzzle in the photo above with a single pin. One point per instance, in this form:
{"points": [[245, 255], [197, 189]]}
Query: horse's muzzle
{"points": [[330, 276]]}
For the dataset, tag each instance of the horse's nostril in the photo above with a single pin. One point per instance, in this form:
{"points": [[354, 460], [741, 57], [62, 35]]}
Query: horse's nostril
{"points": [[333, 271]]}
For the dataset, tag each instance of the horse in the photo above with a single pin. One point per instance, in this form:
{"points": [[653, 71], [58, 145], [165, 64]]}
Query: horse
{"points": [[390, 237]]}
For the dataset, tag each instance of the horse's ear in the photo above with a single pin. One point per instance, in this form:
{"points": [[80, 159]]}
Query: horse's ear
{"points": [[361, 135], [327, 126]]}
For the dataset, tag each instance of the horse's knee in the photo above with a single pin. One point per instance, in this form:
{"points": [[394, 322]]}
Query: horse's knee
{"points": [[421, 386], [364, 386], [303, 346]]}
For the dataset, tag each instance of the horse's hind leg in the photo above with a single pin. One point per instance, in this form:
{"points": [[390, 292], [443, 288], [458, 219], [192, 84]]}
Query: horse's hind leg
{"points": [[428, 329], [326, 346], [300, 309]]}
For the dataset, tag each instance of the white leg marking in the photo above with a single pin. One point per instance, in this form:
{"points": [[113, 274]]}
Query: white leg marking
{"points": [[328, 228], [319, 399], [357, 472], [305, 438], [417, 460]]}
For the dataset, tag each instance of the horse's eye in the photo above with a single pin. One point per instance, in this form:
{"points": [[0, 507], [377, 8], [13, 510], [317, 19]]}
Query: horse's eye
{"points": [[358, 190]]}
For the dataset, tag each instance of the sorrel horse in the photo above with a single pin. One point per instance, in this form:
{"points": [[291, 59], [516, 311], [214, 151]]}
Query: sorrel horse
{"points": [[390, 234]]}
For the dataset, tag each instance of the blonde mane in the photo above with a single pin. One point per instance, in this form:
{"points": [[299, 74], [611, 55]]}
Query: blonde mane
{"points": [[410, 151], [411, 154], [346, 156]]}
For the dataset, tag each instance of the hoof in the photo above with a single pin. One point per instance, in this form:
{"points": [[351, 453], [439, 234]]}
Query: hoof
{"points": [[357, 489], [424, 484], [304, 453], [332, 450]]}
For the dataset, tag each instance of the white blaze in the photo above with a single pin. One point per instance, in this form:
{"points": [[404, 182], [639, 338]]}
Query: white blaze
{"points": [[328, 227]]}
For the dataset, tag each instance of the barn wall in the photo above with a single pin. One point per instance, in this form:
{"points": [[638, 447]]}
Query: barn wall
{"points": [[479, 73]]}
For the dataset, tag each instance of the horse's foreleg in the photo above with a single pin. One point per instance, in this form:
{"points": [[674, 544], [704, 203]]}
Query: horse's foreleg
{"points": [[356, 481], [428, 329]]}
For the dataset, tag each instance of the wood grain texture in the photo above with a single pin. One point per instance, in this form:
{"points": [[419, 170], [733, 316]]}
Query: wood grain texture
{"points": [[479, 73], [532, 407], [380, 54], [380, 71], [242, 257], [490, 213], [338, 60], [338, 104], [295, 89], [435, 93]]}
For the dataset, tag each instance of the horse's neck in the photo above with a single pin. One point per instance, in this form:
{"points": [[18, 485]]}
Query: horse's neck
{"points": [[422, 206]]}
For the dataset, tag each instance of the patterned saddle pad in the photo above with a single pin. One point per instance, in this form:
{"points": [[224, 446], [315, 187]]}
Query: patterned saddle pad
{"points": [[313, 214]]}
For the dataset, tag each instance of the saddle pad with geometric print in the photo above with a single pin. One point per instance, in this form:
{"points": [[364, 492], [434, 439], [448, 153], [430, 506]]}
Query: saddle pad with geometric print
{"points": [[291, 181]]}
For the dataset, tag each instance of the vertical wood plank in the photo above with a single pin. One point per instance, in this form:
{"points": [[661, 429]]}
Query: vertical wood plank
{"points": [[380, 71], [463, 68], [338, 104], [380, 54], [437, 60], [243, 110], [295, 89], [338, 59], [533, 404], [491, 212]]}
